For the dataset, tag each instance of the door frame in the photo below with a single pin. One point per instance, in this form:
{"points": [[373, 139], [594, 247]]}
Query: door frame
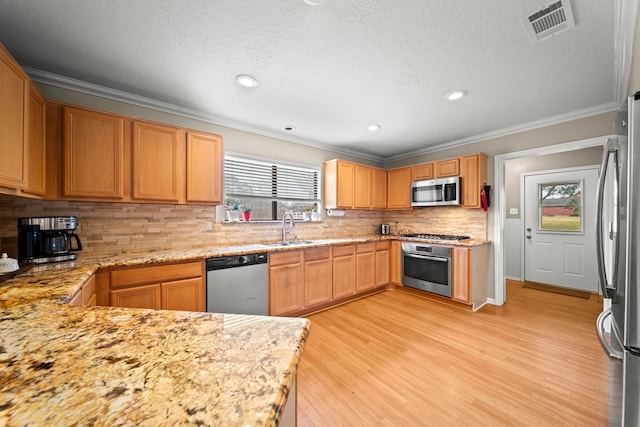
{"points": [[498, 216], [523, 175]]}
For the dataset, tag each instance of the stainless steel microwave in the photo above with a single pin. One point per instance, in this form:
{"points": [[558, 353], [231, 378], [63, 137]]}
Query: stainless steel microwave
{"points": [[436, 192]]}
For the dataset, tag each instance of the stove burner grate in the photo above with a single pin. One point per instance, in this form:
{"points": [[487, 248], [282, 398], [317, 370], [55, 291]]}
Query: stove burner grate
{"points": [[436, 236]]}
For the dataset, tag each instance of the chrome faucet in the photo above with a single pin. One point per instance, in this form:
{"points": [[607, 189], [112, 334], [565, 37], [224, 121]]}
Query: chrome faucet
{"points": [[285, 230]]}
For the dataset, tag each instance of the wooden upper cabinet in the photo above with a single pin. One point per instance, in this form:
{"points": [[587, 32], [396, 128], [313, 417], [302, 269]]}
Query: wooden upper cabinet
{"points": [[379, 190], [14, 91], [204, 168], [338, 184], [422, 171], [36, 142], [399, 188], [93, 154], [158, 162], [474, 176], [450, 167], [362, 187]]}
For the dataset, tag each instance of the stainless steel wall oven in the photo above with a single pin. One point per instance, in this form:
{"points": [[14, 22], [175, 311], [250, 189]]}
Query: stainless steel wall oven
{"points": [[427, 267]]}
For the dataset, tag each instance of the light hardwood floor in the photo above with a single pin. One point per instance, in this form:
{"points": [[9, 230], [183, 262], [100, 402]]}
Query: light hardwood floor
{"points": [[396, 359]]}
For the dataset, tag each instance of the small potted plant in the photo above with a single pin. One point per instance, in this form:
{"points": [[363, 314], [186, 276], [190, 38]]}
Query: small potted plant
{"points": [[233, 211], [315, 215], [307, 213], [246, 213]]}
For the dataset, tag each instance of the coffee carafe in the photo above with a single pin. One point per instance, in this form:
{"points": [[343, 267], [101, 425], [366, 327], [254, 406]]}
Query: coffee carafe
{"points": [[47, 239]]}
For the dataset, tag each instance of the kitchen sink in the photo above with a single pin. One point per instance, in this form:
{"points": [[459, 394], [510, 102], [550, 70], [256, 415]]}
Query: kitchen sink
{"points": [[290, 243]]}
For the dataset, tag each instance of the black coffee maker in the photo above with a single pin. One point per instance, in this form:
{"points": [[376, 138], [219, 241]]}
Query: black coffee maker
{"points": [[47, 239]]}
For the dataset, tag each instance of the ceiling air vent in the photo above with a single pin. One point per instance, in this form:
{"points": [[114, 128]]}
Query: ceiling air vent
{"points": [[549, 20]]}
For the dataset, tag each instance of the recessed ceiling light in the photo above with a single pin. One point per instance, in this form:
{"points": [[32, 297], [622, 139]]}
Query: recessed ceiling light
{"points": [[315, 2], [289, 128], [246, 80], [373, 128], [455, 95]]}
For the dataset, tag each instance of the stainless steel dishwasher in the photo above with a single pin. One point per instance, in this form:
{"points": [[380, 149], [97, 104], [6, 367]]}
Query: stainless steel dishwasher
{"points": [[237, 284]]}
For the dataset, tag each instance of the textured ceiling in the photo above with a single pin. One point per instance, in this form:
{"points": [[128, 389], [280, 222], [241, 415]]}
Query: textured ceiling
{"points": [[332, 69]]}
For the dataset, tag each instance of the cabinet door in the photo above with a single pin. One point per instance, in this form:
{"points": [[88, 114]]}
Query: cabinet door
{"points": [[338, 184], [399, 188], [396, 262], [423, 171], [36, 173], [13, 101], [474, 175], [204, 168], [365, 267], [461, 273], [450, 167], [93, 151], [285, 283], [383, 259], [362, 187], [139, 297], [89, 291], [185, 295], [344, 271], [317, 277], [379, 191], [158, 162]]}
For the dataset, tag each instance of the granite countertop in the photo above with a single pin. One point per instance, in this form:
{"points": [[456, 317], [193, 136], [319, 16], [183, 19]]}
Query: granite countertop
{"points": [[63, 364], [69, 365]]}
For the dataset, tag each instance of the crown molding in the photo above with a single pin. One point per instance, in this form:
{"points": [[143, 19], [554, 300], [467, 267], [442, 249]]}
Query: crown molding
{"points": [[56, 80], [549, 121]]}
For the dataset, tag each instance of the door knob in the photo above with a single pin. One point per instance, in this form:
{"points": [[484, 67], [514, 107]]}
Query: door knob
{"points": [[528, 237], [529, 230]]}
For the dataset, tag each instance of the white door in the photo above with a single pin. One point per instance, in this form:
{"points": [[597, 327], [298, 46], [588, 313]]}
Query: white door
{"points": [[559, 228]]}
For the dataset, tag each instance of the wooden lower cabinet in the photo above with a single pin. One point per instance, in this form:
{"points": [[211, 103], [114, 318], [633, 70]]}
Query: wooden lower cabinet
{"points": [[285, 283], [460, 274], [137, 297], [395, 264], [365, 266], [86, 295], [164, 286], [344, 271], [317, 277], [383, 263]]}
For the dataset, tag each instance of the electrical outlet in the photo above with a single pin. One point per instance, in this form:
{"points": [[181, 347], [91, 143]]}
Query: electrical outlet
{"points": [[513, 211]]}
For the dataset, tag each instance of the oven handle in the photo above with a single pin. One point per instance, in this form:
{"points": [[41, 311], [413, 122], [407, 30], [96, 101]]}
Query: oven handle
{"points": [[430, 258]]}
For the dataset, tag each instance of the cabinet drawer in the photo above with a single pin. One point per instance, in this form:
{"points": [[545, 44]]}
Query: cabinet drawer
{"points": [[366, 247], [154, 274], [285, 258], [383, 246], [316, 254], [344, 250]]}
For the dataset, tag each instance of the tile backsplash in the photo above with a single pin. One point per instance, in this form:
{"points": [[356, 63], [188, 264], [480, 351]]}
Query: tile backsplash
{"points": [[125, 227]]}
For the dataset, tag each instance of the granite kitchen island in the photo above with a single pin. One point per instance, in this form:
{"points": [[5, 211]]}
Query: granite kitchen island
{"points": [[71, 365]]}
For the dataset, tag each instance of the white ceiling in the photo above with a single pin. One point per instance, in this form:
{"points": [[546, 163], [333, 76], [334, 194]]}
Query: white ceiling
{"points": [[332, 69]]}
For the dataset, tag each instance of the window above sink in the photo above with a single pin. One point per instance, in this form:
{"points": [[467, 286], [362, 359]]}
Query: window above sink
{"points": [[271, 189]]}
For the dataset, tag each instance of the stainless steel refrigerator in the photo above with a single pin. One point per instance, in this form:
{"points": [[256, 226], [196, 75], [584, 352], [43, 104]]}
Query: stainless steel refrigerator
{"points": [[618, 248]]}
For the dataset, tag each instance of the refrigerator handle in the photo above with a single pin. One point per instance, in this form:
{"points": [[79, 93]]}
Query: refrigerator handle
{"points": [[614, 354], [610, 149]]}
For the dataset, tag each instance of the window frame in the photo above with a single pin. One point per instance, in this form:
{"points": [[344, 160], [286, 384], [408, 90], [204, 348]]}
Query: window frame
{"points": [[275, 201]]}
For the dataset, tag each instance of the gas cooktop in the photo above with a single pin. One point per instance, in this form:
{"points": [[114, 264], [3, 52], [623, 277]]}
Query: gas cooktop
{"points": [[436, 236]]}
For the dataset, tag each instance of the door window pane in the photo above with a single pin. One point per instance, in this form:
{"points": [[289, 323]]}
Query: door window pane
{"points": [[560, 206]]}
